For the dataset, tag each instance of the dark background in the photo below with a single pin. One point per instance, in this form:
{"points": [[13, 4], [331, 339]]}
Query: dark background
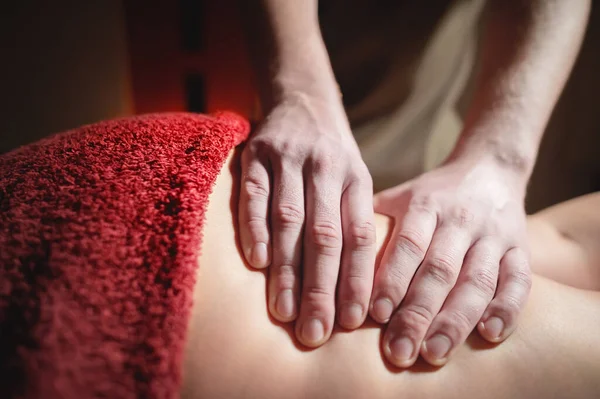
{"points": [[68, 63]]}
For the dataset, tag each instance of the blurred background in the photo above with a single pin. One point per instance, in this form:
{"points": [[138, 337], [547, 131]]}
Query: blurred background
{"points": [[67, 63]]}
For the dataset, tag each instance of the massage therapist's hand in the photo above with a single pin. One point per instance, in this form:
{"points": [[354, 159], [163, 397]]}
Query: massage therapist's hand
{"points": [[306, 210], [457, 258]]}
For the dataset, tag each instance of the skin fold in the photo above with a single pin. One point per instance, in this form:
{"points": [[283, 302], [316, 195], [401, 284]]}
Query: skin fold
{"points": [[236, 350]]}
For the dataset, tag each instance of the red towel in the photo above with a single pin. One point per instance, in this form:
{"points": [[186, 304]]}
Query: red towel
{"points": [[99, 235]]}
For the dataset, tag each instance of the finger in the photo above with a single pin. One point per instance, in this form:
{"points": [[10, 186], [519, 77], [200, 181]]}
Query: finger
{"points": [[403, 255], [426, 295], [358, 254], [466, 303], [386, 202], [287, 220], [514, 285], [253, 210], [322, 250]]}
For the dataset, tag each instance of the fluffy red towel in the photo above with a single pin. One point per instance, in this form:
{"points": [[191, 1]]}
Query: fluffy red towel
{"points": [[99, 236]]}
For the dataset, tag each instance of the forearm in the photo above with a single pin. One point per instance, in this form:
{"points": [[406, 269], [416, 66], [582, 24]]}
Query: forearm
{"points": [[528, 50], [287, 50]]}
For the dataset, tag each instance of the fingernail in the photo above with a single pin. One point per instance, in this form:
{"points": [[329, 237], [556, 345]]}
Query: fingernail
{"points": [[401, 350], [285, 304], [382, 309], [494, 327], [351, 315], [438, 346], [313, 331], [260, 256]]}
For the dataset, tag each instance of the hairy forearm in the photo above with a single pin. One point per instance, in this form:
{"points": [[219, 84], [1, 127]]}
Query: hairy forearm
{"points": [[528, 50], [287, 50]]}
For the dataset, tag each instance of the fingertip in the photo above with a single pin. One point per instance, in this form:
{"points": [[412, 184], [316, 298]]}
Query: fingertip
{"points": [[248, 254], [400, 351], [258, 255], [382, 309], [436, 350], [284, 307], [351, 316], [493, 329], [311, 332]]}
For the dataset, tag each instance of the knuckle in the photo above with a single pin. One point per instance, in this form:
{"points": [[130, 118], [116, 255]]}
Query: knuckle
{"points": [[254, 187], [394, 282], [259, 147], [289, 215], [396, 292], [285, 271], [318, 296], [410, 242], [484, 280], [396, 277], [285, 275], [355, 288], [253, 148], [323, 164], [417, 316], [325, 235], [507, 307], [462, 216], [441, 268], [357, 273], [317, 291], [276, 149], [512, 305], [361, 234], [423, 202], [362, 177], [287, 154], [256, 223], [459, 322], [365, 177], [521, 278], [286, 147]]}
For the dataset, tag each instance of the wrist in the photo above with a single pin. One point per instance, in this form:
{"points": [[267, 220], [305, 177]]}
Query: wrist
{"points": [[305, 70], [316, 81], [508, 152], [288, 86], [504, 130], [510, 169], [510, 164]]}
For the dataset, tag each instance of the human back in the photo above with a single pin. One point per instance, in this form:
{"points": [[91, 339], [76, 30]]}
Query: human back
{"points": [[235, 350]]}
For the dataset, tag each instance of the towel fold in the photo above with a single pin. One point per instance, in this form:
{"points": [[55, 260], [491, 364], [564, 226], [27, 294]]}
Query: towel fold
{"points": [[100, 229]]}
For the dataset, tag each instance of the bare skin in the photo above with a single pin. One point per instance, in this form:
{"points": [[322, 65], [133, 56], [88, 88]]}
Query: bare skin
{"points": [[236, 350], [305, 208]]}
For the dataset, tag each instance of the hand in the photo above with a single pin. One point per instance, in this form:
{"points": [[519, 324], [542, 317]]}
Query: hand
{"points": [[306, 198], [457, 258]]}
